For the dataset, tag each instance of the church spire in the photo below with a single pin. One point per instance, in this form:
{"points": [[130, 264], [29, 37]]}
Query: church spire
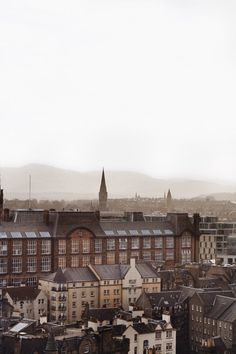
{"points": [[103, 193], [1, 201], [169, 201]]}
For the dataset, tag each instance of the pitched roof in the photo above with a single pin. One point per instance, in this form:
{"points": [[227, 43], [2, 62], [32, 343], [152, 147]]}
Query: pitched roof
{"points": [[111, 271], [23, 293], [146, 270], [141, 228], [103, 314], [164, 298], [208, 297], [221, 304], [143, 328], [67, 275]]}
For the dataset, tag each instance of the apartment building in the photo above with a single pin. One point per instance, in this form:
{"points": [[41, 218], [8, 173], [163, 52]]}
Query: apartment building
{"points": [[214, 239], [68, 292]]}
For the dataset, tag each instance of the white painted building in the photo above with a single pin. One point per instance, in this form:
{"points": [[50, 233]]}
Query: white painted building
{"points": [[145, 335]]}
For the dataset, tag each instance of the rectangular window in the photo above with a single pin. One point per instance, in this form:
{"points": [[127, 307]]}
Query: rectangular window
{"points": [[122, 243], [146, 255], [110, 257], [158, 242], [75, 261], [98, 259], [62, 262], [111, 244], [169, 254], [31, 264], [3, 266], [134, 254], [74, 246], [98, 246], [168, 346], [46, 264], [31, 247], [123, 257], [61, 246], [186, 256], [146, 242], [3, 248], [159, 256], [46, 246], [158, 334], [168, 333], [186, 240], [135, 243], [17, 247], [170, 242], [86, 245], [85, 261], [16, 265]]}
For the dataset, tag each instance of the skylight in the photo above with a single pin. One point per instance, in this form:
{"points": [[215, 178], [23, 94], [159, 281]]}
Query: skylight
{"points": [[109, 232]]}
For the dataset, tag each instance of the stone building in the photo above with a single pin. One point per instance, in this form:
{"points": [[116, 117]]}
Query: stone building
{"points": [[69, 290], [28, 302]]}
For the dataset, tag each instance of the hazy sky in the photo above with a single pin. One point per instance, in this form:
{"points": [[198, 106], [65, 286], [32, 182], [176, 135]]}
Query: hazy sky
{"points": [[142, 85]]}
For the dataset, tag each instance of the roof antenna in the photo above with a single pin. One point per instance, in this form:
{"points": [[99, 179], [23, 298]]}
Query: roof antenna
{"points": [[29, 191]]}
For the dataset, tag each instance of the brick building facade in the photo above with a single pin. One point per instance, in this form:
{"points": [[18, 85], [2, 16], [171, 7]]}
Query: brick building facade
{"points": [[36, 242]]}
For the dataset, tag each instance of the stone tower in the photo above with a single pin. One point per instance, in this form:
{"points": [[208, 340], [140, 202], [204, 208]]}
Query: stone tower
{"points": [[103, 193], [169, 201]]}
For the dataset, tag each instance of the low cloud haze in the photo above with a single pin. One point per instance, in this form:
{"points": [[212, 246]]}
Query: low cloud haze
{"points": [[145, 86]]}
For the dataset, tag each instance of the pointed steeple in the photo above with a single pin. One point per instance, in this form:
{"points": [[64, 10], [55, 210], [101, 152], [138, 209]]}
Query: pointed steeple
{"points": [[169, 200], [103, 193], [1, 200]]}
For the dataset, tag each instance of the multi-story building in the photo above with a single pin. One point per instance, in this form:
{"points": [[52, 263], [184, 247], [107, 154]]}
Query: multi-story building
{"points": [[122, 284], [214, 238], [28, 302], [202, 323], [68, 291], [34, 243], [145, 334]]}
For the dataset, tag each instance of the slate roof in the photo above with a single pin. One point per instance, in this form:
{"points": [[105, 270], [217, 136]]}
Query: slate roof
{"points": [[143, 328], [103, 314], [221, 304], [71, 275], [212, 282], [208, 297], [111, 271], [146, 270], [66, 221], [164, 298], [180, 222], [186, 293], [230, 314], [164, 228], [23, 293]]}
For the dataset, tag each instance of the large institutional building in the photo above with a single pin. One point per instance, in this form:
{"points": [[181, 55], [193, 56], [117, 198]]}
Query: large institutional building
{"points": [[34, 243]]}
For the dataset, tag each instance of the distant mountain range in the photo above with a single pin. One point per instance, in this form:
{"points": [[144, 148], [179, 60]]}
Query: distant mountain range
{"points": [[54, 183]]}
